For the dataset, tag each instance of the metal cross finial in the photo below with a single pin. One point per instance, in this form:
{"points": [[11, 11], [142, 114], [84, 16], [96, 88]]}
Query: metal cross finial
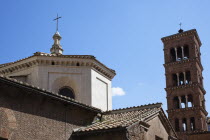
{"points": [[57, 22], [180, 24]]}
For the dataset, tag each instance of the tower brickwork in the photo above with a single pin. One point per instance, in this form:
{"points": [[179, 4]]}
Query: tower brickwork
{"points": [[184, 82]]}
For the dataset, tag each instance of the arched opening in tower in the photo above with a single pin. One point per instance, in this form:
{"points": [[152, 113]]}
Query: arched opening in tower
{"points": [[192, 124], [176, 102], [183, 102], [177, 125], [179, 54], [186, 52], [175, 82], [181, 79], [184, 125], [190, 101], [188, 78], [173, 55]]}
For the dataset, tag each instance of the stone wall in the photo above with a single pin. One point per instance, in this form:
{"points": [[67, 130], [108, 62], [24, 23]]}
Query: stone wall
{"points": [[156, 129]]}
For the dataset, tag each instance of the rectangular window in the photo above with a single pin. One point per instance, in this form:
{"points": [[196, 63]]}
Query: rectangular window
{"points": [[208, 127]]}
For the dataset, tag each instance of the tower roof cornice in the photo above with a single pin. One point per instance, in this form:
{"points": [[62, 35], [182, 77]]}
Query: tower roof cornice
{"points": [[182, 34]]}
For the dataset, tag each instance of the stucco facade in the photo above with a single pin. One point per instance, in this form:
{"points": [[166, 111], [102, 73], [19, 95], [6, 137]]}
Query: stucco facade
{"points": [[89, 79]]}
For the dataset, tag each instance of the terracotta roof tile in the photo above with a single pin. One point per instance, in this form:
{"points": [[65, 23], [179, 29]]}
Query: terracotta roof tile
{"points": [[122, 117]]}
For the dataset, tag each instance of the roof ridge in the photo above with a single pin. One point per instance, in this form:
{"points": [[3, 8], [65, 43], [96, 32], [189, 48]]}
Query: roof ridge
{"points": [[134, 108], [48, 92]]}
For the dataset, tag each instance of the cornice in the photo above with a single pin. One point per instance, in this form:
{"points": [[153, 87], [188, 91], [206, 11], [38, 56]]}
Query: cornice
{"points": [[186, 86], [199, 132], [179, 35], [186, 109], [40, 59], [184, 61]]}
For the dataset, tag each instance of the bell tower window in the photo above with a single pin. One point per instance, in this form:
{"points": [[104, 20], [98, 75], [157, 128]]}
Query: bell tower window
{"points": [[186, 52], [67, 91], [173, 55]]}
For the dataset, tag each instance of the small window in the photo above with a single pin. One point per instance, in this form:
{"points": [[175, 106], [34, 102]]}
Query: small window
{"points": [[67, 91]]}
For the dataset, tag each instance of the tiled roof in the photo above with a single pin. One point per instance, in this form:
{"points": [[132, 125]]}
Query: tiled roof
{"points": [[45, 92], [121, 118]]}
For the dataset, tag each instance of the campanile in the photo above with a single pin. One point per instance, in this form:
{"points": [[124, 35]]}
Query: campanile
{"points": [[184, 82]]}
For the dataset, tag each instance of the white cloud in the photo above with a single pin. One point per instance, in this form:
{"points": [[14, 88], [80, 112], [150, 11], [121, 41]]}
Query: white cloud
{"points": [[117, 91]]}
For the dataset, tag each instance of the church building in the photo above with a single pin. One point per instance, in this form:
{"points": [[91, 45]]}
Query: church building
{"points": [[51, 96]]}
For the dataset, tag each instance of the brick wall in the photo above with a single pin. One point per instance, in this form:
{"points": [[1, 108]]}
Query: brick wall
{"points": [[27, 115]]}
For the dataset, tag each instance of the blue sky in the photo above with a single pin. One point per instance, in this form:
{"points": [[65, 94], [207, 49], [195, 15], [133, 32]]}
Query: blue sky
{"points": [[123, 34]]}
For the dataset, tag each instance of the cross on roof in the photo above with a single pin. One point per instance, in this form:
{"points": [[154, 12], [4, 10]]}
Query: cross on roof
{"points": [[180, 24], [57, 22]]}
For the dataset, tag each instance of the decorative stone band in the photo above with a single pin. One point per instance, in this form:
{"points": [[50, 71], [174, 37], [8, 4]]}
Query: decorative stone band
{"points": [[185, 61], [186, 33], [187, 86], [199, 132], [40, 59], [189, 108]]}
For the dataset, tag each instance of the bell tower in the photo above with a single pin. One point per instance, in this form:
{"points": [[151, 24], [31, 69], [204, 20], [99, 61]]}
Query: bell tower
{"points": [[184, 82]]}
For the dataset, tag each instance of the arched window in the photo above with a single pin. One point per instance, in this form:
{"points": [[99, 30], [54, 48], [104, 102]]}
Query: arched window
{"points": [[174, 77], [190, 100], [179, 54], [181, 79], [67, 91], [176, 102], [184, 125], [192, 123], [177, 125], [173, 55], [188, 77], [183, 102], [186, 52]]}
